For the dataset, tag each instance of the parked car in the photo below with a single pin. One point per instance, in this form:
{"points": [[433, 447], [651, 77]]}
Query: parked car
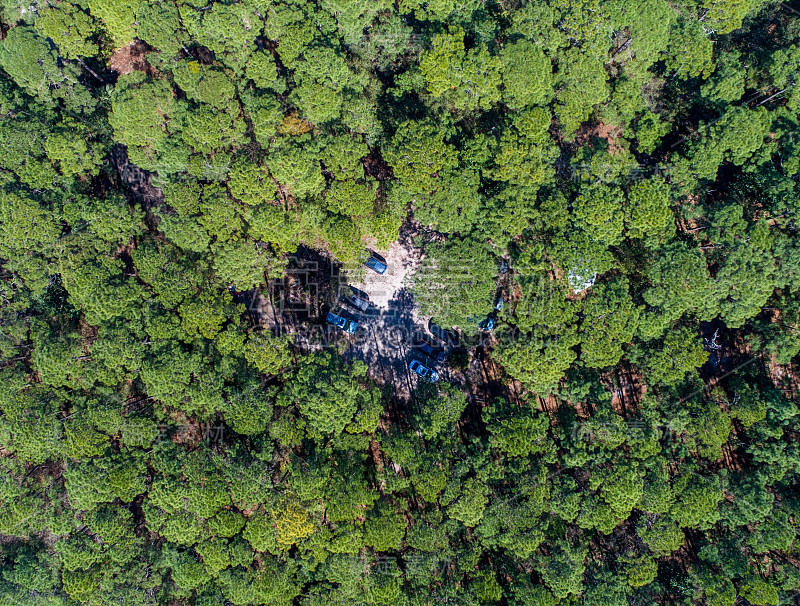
{"points": [[238, 295], [449, 337], [488, 324], [375, 264], [342, 323], [434, 353], [423, 371], [490, 321], [358, 299]]}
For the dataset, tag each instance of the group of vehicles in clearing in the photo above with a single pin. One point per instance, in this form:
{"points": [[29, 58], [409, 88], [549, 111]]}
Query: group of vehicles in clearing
{"points": [[343, 320], [435, 354], [340, 318]]}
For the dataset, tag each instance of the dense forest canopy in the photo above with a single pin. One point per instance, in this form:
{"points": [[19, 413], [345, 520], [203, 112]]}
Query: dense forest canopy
{"points": [[614, 183]]}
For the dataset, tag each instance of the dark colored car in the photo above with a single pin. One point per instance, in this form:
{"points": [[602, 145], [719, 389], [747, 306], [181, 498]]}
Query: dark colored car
{"points": [[375, 264], [238, 295], [434, 353], [423, 371], [443, 335], [344, 324], [357, 302]]}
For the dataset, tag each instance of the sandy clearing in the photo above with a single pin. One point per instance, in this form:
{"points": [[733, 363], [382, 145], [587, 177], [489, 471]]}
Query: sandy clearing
{"points": [[401, 260], [130, 57]]}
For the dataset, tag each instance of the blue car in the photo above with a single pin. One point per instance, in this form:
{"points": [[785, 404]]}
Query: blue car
{"points": [[424, 372], [487, 324], [375, 265], [344, 324]]}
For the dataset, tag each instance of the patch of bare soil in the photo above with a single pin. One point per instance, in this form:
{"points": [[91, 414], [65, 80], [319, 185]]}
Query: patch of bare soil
{"points": [[376, 166], [627, 388], [190, 433], [88, 336], [384, 342], [784, 378], [485, 380], [131, 57], [609, 132]]}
